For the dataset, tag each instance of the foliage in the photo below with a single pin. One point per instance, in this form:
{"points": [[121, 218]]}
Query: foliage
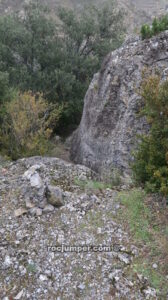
{"points": [[112, 176], [91, 184], [4, 87], [147, 221], [151, 159], [146, 31], [57, 55], [137, 212], [99, 185], [27, 126], [158, 25]]}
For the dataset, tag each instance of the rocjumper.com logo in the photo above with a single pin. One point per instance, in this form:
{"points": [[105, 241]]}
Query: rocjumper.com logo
{"points": [[85, 248]]}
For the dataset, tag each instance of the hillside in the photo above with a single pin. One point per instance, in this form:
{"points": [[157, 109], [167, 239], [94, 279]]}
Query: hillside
{"points": [[139, 11], [103, 260], [80, 227], [153, 5]]}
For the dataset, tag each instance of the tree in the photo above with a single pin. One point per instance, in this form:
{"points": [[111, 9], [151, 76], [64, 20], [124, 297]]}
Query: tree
{"points": [[151, 159], [87, 39], [158, 25], [58, 58], [4, 87]]}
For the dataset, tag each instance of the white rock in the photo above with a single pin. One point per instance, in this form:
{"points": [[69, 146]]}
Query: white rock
{"points": [[81, 286], [29, 204], [22, 270], [60, 238], [36, 181], [27, 175], [35, 211], [155, 266], [150, 292], [7, 261], [57, 138], [70, 207], [48, 273], [48, 208], [114, 275], [31, 171], [19, 295], [82, 177], [117, 278], [99, 230], [130, 283], [43, 277], [124, 259], [17, 242]]}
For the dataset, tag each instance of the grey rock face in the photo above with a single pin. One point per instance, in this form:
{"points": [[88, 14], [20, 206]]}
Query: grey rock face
{"points": [[109, 126]]}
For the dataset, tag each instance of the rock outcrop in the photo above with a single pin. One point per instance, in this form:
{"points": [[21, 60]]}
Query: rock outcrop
{"points": [[109, 126], [74, 251]]}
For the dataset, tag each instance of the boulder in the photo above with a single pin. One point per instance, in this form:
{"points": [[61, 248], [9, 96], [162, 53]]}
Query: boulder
{"points": [[54, 196], [107, 134], [35, 189]]}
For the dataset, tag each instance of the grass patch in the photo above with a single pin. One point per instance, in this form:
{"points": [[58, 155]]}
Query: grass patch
{"points": [[95, 219], [137, 213], [140, 214], [91, 184], [156, 278], [31, 268], [111, 180]]}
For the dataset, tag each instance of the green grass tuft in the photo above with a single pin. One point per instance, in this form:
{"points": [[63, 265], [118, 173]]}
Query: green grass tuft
{"points": [[138, 214]]}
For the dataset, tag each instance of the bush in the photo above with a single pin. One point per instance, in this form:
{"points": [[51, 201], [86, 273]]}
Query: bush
{"points": [[27, 125], [151, 159], [146, 31], [158, 25]]}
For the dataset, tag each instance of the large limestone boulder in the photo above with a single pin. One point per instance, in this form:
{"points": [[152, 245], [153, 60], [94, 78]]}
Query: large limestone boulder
{"points": [[109, 126]]}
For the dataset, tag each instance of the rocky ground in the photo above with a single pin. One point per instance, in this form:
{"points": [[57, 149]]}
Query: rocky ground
{"points": [[43, 206]]}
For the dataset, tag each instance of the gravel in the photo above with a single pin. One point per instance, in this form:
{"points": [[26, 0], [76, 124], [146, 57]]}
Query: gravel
{"points": [[35, 257]]}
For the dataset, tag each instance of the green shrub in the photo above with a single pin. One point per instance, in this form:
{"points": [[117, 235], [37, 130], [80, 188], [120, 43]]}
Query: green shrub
{"points": [[158, 25], [151, 159], [27, 126], [146, 31]]}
